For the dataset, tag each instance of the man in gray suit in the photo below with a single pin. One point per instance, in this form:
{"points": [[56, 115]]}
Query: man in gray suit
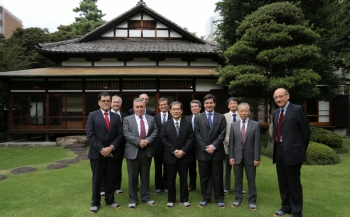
{"points": [[139, 131], [244, 145], [210, 131]]}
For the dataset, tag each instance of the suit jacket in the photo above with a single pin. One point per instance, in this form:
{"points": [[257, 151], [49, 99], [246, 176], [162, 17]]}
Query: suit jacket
{"points": [[251, 149], [171, 142], [194, 143], [158, 145], [99, 136], [295, 131], [228, 118], [120, 153], [131, 134], [148, 112], [206, 136]]}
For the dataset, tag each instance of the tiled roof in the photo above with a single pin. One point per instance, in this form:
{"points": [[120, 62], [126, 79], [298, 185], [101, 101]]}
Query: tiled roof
{"points": [[125, 46]]}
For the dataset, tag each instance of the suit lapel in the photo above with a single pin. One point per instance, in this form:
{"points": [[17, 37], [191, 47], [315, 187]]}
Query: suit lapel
{"points": [[288, 112], [248, 130], [133, 119], [238, 130], [150, 126]]}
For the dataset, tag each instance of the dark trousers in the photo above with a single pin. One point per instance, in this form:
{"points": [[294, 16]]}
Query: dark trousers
{"points": [[181, 168], [192, 173], [228, 169], [160, 172], [104, 167], [119, 164], [291, 191], [250, 171], [139, 166], [211, 176]]}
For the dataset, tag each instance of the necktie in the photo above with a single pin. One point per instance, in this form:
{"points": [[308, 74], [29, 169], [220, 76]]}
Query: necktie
{"points": [[177, 128], [280, 120], [107, 120], [164, 120], [233, 117], [143, 129], [209, 120], [243, 132]]}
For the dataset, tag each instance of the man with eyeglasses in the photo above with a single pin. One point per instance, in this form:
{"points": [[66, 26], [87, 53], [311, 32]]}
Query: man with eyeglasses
{"points": [[104, 132], [291, 133], [116, 105], [177, 136], [196, 107]]}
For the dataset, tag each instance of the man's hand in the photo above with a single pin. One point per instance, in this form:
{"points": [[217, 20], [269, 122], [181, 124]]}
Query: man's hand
{"points": [[179, 153], [210, 149], [256, 163], [143, 143], [232, 161], [106, 152]]}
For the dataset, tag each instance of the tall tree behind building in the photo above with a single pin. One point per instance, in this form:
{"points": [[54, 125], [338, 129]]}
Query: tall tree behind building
{"points": [[90, 17]]}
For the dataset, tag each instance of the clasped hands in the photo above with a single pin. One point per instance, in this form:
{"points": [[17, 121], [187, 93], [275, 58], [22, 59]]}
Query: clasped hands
{"points": [[143, 143], [179, 153], [106, 152], [210, 149], [256, 162]]}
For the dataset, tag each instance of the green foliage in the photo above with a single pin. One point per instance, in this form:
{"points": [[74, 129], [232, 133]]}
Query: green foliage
{"points": [[63, 33], [267, 152], [326, 137], [275, 49], [320, 154], [90, 17]]}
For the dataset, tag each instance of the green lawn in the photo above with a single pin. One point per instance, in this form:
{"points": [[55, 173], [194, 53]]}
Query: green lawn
{"points": [[67, 191]]}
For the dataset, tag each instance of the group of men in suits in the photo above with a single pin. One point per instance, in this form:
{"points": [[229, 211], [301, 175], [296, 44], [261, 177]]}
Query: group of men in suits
{"points": [[218, 142]]}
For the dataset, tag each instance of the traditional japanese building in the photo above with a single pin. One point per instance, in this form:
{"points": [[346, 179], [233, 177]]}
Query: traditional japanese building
{"points": [[139, 51]]}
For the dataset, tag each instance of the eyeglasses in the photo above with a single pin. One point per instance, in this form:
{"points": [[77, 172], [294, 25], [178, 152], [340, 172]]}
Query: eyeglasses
{"points": [[279, 97], [105, 101]]}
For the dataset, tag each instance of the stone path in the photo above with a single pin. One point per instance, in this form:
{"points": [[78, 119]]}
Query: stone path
{"points": [[78, 149]]}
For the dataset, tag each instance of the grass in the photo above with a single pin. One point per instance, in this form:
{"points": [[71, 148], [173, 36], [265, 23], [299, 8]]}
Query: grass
{"points": [[67, 191]]}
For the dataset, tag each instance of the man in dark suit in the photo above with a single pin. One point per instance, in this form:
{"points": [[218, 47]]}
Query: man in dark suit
{"points": [[116, 105], [244, 152], [196, 106], [104, 133], [139, 130], [177, 137], [145, 97], [210, 131], [160, 170], [291, 132]]}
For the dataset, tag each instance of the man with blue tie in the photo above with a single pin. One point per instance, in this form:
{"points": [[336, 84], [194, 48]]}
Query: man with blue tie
{"points": [[104, 133], [210, 131]]}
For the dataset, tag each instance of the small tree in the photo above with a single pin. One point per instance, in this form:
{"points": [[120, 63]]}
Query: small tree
{"points": [[89, 18], [276, 48]]}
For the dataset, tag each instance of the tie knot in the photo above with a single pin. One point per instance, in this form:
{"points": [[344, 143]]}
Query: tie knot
{"points": [[106, 113], [209, 113], [177, 123], [234, 115], [243, 121], [282, 110], [141, 117]]}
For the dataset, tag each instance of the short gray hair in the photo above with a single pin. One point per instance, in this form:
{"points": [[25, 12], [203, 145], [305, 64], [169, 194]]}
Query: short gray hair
{"points": [[139, 100], [116, 96], [244, 104]]}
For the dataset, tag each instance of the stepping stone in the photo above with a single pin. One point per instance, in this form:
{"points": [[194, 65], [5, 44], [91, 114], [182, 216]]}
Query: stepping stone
{"points": [[79, 152], [2, 177], [78, 149], [68, 161], [23, 170], [57, 166], [82, 157], [74, 146]]}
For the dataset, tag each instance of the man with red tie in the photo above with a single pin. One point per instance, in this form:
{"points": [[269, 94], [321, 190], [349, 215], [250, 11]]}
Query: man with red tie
{"points": [[291, 132], [104, 133]]}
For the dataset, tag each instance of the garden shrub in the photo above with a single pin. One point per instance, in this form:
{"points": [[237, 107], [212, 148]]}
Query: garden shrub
{"points": [[326, 137], [321, 154]]}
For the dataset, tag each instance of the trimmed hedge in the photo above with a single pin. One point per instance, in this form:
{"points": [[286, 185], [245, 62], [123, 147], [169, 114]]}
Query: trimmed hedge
{"points": [[320, 154], [326, 137]]}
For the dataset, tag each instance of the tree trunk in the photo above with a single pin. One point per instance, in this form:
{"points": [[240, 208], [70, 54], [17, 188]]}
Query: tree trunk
{"points": [[269, 132]]}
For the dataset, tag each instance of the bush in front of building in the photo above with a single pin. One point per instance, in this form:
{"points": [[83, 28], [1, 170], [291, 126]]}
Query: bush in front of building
{"points": [[320, 154], [325, 137]]}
